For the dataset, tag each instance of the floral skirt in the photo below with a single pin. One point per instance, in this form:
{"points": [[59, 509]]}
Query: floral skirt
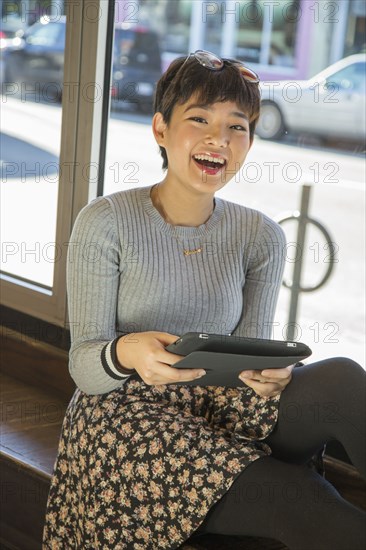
{"points": [[139, 468]]}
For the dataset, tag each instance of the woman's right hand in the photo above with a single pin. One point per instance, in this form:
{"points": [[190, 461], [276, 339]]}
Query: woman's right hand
{"points": [[145, 352]]}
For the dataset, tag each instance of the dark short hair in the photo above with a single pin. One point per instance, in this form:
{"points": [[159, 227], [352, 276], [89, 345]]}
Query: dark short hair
{"points": [[176, 86]]}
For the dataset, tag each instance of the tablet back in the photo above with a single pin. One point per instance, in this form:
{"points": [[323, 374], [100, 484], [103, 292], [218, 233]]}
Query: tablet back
{"points": [[223, 369], [221, 343]]}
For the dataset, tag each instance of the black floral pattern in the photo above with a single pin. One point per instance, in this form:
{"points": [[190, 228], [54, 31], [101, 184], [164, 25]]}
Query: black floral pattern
{"points": [[138, 468]]}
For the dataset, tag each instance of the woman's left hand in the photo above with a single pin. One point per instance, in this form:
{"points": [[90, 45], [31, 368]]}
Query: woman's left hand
{"points": [[269, 382]]}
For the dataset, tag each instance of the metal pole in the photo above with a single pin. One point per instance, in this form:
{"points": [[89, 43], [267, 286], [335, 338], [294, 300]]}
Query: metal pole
{"points": [[296, 282], [294, 285]]}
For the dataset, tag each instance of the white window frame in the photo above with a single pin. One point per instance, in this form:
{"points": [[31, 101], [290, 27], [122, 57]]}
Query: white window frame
{"points": [[80, 147]]}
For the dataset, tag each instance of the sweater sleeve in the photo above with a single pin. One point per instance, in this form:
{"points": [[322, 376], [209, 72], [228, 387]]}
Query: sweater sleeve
{"points": [[93, 274], [263, 277]]}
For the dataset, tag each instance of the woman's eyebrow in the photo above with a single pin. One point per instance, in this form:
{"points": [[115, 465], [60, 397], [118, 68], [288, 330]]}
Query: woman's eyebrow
{"points": [[240, 114], [198, 106], [207, 107]]}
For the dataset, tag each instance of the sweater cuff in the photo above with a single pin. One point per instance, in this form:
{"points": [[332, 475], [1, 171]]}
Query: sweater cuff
{"points": [[111, 364]]}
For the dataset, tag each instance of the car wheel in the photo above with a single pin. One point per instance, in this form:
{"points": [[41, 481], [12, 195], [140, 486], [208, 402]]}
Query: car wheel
{"points": [[271, 124]]}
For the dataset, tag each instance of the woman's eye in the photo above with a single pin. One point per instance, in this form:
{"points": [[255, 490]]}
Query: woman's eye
{"points": [[239, 127], [198, 119]]}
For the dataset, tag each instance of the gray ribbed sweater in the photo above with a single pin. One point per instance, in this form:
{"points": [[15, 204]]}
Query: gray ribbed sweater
{"points": [[126, 272]]}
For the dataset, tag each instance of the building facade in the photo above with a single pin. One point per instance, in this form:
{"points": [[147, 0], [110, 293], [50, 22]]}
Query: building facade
{"points": [[280, 39]]}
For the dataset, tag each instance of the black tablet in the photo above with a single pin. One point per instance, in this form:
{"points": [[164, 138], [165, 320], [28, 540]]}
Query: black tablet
{"points": [[222, 343], [224, 357]]}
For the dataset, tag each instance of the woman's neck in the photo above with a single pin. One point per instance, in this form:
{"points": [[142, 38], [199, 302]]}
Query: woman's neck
{"points": [[179, 208]]}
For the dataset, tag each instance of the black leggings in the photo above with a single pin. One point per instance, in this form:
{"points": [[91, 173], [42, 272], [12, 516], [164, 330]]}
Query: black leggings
{"points": [[279, 496]]}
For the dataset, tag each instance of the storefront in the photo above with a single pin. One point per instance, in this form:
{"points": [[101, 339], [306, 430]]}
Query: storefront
{"points": [[280, 39], [340, 34], [266, 34]]}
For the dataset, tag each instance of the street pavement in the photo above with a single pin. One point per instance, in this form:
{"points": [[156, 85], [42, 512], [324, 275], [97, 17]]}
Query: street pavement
{"points": [[331, 320]]}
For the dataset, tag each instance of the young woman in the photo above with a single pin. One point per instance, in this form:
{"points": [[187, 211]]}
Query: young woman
{"points": [[147, 461]]}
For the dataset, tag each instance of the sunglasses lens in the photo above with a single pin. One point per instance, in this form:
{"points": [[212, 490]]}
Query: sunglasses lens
{"points": [[248, 74], [215, 63], [209, 60]]}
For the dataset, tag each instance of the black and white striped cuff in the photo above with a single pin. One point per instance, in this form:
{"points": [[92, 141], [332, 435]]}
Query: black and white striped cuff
{"points": [[110, 362]]}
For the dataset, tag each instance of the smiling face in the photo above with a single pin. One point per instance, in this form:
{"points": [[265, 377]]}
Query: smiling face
{"points": [[186, 78], [206, 144]]}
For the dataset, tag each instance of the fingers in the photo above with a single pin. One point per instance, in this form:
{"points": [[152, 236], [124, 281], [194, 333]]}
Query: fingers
{"points": [[276, 374], [267, 389], [269, 382], [269, 375], [160, 373], [153, 361], [149, 358], [166, 338], [160, 354], [169, 358]]}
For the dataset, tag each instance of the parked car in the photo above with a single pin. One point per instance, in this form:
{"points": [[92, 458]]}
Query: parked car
{"points": [[331, 104], [137, 65], [39, 58], [12, 28]]}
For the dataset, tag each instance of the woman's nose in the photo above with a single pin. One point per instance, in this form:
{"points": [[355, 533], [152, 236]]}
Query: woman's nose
{"points": [[218, 136]]}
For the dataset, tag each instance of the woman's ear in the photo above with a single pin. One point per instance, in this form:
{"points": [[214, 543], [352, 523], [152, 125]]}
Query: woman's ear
{"points": [[158, 127]]}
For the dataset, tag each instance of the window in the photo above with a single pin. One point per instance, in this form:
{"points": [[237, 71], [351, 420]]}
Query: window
{"points": [[39, 174], [271, 181], [31, 147], [352, 78], [331, 319], [170, 20], [248, 43], [267, 31], [356, 28], [213, 27], [178, 20], [136, 67]]}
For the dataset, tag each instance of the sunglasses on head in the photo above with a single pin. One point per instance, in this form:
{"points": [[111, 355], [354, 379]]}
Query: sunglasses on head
{"points": [[214, 63]]}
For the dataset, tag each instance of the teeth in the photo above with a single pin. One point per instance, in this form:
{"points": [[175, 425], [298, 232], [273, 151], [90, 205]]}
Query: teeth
{"points": [[210, 159]]}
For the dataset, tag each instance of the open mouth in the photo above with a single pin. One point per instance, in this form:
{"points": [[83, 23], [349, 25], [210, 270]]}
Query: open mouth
{"points": [[208, 164]]}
